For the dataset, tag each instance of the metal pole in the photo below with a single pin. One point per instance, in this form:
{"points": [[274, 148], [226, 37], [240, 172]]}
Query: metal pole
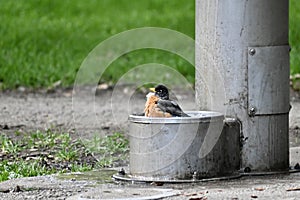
{"points": [[242, 70]]}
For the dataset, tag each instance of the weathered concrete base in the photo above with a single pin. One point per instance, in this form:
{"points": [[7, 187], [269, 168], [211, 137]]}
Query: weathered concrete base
{"points": [[123, 193]]}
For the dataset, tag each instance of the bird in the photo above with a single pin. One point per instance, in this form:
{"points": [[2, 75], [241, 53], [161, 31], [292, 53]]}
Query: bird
{"points": [[159, 105]]}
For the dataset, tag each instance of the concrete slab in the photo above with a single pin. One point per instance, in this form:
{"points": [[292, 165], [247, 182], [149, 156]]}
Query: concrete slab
{"points": [[125, 193]]}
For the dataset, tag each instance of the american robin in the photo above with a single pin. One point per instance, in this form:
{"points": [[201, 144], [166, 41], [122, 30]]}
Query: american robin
{"points": [[159, 104]]}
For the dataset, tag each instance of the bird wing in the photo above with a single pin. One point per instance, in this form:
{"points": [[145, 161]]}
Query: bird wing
{"points": [[171, 107]]}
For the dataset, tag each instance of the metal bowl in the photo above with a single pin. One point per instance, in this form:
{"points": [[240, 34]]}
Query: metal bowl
{"points": [[177, 148]]}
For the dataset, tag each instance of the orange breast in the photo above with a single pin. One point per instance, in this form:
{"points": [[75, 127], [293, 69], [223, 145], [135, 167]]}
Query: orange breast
{"points": [[151, 109]]}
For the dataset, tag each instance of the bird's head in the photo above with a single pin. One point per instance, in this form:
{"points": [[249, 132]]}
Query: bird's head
{"points": [[161, 91]]}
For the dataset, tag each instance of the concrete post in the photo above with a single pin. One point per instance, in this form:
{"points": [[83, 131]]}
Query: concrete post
{"points": [[242, 62]]}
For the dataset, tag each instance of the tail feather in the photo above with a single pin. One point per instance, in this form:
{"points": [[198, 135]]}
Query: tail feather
{"points": [[184, 115]]}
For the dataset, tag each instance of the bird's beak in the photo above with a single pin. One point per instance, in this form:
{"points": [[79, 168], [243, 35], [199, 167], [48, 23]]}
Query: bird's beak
{"points": [[152, 89]]}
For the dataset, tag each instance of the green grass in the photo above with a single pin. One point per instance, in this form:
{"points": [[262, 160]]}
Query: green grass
{"points": [[110, 149], [19, 169], [294, 35], [45, 41], [48, 152], [17, 160]]}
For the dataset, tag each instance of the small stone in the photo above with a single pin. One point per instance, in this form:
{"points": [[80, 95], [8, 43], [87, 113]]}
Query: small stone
{"points": [[247, 170], [103, 86], [17, 189], [21, 89], [157, 183], [5, 127], [105, 127], [122, 172]]}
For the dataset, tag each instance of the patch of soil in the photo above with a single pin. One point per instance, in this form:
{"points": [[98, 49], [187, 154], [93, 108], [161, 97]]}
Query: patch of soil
{"points": [[294, 95], [87, 112], [101, 111], [45, 187], [294, 136]]}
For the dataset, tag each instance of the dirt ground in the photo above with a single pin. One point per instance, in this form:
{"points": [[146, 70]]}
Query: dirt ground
{"points": [[83, 116], [27, 111], [88, 113]]}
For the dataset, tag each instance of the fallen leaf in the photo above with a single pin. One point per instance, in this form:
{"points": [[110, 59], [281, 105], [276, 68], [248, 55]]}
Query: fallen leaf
{"points": [[293, 189], [198, 198], [193, 194], [259, 189], [190, 194], [4, 190]]}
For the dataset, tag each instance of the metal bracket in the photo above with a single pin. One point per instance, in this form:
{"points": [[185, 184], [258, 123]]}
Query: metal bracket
{"points": [[268, 80]]}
